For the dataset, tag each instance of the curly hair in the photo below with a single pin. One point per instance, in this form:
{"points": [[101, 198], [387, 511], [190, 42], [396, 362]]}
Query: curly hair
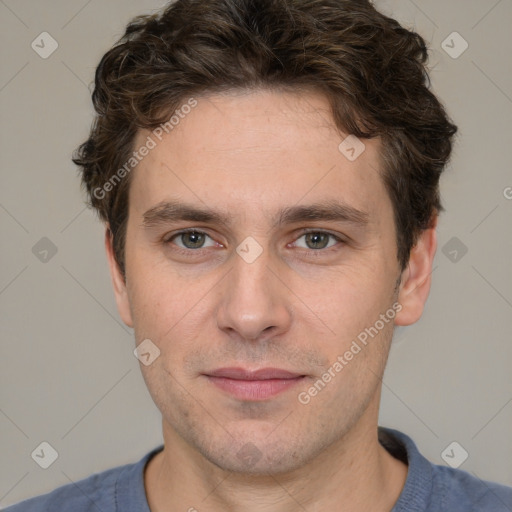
{"points": [[371, 70]]}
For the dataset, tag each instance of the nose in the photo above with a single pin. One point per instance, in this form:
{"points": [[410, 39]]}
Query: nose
{"points": [[254, 302]]}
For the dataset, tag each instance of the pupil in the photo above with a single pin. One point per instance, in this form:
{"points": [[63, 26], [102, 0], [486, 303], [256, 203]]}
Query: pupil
{"points": [[194, 239], [318, 240]]}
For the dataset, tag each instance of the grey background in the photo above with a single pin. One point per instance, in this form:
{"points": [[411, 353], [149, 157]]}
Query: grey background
{"points": [[68, 375]]}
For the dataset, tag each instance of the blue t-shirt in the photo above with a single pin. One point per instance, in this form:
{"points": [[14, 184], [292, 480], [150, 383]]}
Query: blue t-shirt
{"points": [[428, 488]]}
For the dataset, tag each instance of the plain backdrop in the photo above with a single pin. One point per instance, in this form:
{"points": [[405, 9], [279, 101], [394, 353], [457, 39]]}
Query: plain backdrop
{"points": [[68, 375]]}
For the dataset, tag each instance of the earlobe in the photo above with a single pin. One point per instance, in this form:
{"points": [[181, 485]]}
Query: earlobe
{"points": [[118, 282], [416, 278]]}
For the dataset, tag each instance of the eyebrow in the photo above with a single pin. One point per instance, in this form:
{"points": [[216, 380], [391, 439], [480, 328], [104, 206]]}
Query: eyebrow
{"points": [[332, 210]]}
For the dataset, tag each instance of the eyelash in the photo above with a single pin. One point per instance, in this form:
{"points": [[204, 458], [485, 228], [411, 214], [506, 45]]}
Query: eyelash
{"points": [[316, 252]]}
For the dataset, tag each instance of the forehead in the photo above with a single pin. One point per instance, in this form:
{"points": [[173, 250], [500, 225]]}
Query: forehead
{"points": [[255, 149]]}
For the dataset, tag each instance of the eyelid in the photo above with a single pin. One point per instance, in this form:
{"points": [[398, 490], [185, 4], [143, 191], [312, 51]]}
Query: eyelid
{"points": [[301, 232], [305, 231], [184, 230], [167, 239]]}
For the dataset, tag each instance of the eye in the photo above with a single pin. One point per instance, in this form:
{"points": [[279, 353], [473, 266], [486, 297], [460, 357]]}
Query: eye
{"points": [[316, 240], [190, 239]]}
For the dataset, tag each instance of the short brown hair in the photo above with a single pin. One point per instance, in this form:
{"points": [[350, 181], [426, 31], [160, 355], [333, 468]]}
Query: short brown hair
{"points": [[371, 70]]}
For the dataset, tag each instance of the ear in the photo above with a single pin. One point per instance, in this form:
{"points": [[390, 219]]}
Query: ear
{"points": [[416, 278], [118, 282]]}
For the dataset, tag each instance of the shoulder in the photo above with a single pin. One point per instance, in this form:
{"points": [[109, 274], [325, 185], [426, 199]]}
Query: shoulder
{"points": [[459, 490], [431, 487], [116, 489], [92, 493]]}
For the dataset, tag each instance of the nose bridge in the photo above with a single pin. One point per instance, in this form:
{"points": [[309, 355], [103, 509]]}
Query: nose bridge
{"points": [[253, 299], [251, 275]]}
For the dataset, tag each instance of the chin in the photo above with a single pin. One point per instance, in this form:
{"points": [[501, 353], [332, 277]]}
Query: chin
{"points": [[256, 455]]}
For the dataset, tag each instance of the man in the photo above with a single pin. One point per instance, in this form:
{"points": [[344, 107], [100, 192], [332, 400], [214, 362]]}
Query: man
{"points": [[268, 177]]}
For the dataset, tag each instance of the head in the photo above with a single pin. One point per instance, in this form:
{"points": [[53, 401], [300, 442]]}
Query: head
{"points": [[237, 119]]}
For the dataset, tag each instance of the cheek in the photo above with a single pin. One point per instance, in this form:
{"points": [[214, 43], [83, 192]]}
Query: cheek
{"points": [[345, 302], [170, 393], [158, 296], [177, 317], [160, 311]]}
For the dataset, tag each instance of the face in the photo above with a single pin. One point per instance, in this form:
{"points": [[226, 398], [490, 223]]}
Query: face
{"points": [[253, 242]]}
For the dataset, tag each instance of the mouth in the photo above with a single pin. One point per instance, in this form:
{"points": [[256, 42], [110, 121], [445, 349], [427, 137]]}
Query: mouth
{"points": [[254, 385]]}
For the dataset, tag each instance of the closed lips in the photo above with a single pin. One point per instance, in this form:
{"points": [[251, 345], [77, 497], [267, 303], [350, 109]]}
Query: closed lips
{"points": [[261, 374]]}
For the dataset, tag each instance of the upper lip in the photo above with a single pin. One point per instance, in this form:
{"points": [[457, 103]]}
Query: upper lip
{"points": [[261, 374]]}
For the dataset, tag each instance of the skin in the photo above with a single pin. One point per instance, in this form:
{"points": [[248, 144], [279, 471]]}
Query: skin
{"points": [[248, 155]]}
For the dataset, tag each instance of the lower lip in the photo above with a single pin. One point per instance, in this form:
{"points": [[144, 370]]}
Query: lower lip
{"points": [[254, 389]]}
